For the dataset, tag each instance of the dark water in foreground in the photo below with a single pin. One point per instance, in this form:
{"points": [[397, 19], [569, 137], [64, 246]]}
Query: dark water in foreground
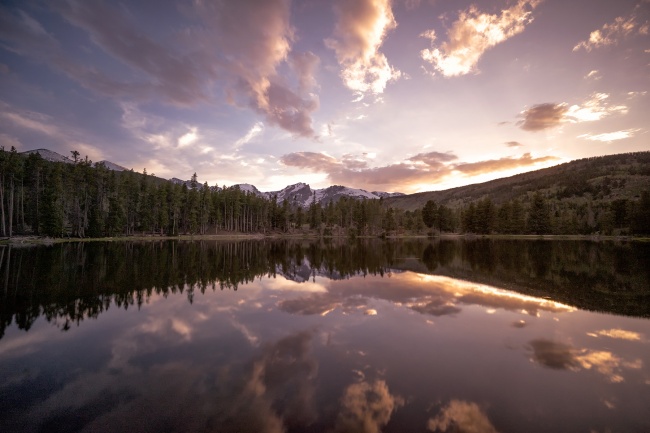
{"points": [[261, 336]]}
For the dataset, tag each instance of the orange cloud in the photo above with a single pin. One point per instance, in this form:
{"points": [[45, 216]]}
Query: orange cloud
{"points": [[360, 30], [473, 34], [433, 159], [367, 407], [611, 33], [501, 164], [423, 168], [463, 416]]}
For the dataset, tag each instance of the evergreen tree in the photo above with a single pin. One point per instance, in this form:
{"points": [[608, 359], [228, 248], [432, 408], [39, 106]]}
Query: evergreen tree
{"points": [[52, 222], [429, 214], [539, 219]]}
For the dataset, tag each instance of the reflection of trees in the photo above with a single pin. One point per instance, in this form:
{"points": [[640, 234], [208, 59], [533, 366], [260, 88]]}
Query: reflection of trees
{"points": [[69, 282], [601, 276]]}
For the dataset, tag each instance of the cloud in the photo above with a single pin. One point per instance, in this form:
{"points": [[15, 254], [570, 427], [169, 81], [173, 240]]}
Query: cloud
{"points": [[366, 407], [550, 115], [461, 416], [254, 39], [313, 160], [594, 75], [543, 116], [513, 144], [612, 33], [64, 136], [8, 141], [188, 138], [175, 73], [360, 30], [472, 34], [433, 159], [251, 134], [423, 168], [595, 108], [238, 45], [610, 136], [412, 4], [501, 164], [305, 65]]}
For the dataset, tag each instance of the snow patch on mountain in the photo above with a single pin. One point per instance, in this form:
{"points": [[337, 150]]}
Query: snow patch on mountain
{"points": [[252, 189], [111, 165], [49, 155]]}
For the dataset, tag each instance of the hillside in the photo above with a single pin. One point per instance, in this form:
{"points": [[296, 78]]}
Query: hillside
{"points": [[621, 176]]}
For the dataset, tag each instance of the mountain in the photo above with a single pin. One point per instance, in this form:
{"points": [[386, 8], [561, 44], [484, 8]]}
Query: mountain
{"points": [[111, 166], [52, 156], [247, 187], [49, 155], [603, 178], [301, 194]]}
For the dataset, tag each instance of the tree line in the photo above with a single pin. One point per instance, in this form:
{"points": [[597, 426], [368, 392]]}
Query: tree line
{"points": [[82, 199]]}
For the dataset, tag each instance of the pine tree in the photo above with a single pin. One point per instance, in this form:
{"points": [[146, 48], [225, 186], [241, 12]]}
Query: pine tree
{"points": [[539, 218]]}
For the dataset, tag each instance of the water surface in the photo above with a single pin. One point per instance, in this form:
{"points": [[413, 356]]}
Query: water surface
{"points": [[261, 336]]}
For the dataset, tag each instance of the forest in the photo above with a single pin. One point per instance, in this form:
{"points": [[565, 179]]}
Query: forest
{"points": [[82, 199]]}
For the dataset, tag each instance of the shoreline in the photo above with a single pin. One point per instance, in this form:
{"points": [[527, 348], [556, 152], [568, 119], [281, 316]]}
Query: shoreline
{"points": [[40, 240]]}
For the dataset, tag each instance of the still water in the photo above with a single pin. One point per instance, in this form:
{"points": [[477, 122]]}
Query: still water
{"points": [[367, 336]]}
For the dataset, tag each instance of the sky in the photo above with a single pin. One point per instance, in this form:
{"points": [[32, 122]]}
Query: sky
{"points": [[402, 95]]}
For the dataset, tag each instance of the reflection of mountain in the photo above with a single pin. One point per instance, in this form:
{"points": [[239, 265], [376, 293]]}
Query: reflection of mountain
{"points": [[302, 271], [70, 282]]}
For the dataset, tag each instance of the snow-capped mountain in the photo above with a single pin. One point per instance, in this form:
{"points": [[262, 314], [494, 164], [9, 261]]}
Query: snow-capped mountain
{"points": [[112, 166], [301, 194], [52, 156], [49, 155], [251, 189]]}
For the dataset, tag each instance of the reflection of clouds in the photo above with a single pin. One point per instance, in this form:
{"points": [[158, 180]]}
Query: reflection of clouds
{"points": [[427, 294], [366, 407], [551, 354], [436, 307], [322, 304], [273, 393], [246, 332], [560, 356], [620, 334], [286, 284], [22, 344], [283, 373], [461, 417], [519, 324]]}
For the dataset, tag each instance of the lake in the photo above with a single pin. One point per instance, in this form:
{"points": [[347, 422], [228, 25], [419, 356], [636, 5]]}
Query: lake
{"points": [[326, 336]]}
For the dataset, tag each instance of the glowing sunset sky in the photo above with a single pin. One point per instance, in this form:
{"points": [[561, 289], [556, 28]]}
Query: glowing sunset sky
{"points": [[408, 95]]}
